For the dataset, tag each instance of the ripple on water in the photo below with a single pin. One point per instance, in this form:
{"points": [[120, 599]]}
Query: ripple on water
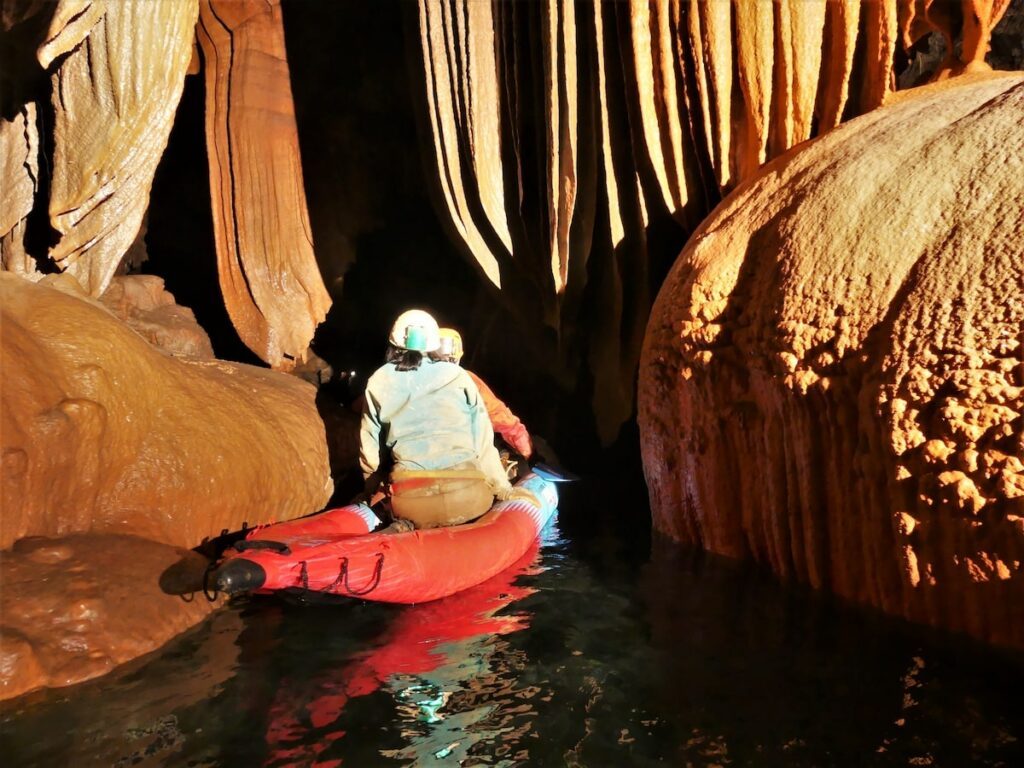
{"points": [[586, 653]]}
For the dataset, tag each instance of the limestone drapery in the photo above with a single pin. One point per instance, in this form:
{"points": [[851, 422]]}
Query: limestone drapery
{"points": [[19, 174], [268, 272], [712, 88], [113, 113]]}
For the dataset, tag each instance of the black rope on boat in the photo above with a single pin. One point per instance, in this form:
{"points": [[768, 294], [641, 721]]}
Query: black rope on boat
{"points": [[342, 574], [304, 576], [210, 568], [342, 578]]}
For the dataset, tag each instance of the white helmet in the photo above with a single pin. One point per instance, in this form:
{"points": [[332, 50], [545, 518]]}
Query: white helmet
{"points": [[416, 330]]}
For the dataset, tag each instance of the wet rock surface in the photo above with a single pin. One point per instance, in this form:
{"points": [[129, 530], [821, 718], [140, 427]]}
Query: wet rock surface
{"points": [[75, 607], [141, 302], [831, 379], [106, 439], [102, 432]]}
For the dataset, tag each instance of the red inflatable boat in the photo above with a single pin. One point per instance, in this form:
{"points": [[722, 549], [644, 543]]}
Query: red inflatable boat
{"points": [[335, 552]]}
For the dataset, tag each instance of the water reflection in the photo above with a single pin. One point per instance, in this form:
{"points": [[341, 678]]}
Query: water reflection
{"points": [[137, 725], [429, 654], [584, 654]]}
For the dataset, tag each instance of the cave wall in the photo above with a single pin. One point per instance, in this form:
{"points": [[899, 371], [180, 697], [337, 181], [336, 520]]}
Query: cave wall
{"points": [[104, 433], [831, 381], [566, 134], [116, 74]]}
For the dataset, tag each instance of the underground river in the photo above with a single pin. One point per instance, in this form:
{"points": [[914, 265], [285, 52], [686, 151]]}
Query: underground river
{"points": [[601, 647]]}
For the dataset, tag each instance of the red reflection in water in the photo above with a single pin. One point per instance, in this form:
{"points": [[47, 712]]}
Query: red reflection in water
{"points": [[411, 646]]}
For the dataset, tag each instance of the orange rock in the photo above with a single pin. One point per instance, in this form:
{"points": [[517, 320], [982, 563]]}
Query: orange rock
{"points": [[141, 302], [849, 247], [268, 272], [114, 98], [102, 432], [106, 600]]}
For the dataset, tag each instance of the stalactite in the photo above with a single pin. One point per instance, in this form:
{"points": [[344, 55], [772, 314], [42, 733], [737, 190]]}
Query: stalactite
{"points": [[558, 25], [713, 90], [447, 106], [842, 21], [268, 273], [755, 60], [800, 27], [880, 41], [710, 31], [113, 111], [19, 174]]}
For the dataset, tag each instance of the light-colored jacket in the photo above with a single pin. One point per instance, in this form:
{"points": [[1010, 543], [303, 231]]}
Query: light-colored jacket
{"points": [[429, 418]]}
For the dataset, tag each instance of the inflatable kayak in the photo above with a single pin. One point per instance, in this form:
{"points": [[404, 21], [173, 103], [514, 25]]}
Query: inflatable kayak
{"points": [[336, 553]]}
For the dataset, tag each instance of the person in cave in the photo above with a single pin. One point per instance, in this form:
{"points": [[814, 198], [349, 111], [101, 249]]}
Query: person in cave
{"points": [[510, 434], [426, 430]]}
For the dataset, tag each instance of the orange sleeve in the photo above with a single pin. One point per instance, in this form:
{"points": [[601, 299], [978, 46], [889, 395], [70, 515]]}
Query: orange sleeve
{"points": [[505, 423]]}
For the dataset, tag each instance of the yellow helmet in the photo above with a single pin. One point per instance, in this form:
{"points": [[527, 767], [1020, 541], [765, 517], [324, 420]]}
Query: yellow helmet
{"points": [[416, 330], [451, 344]]}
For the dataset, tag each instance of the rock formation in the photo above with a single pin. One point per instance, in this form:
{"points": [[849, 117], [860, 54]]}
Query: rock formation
{"points": [[104, 433], [75, 607], [563, 131], [831, 380], [141, 302], [120, 455], [268, 273], [113, 109], [19, 174]]}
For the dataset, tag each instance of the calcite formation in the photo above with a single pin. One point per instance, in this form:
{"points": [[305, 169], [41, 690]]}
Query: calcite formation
{"points": [[268, 272], [551, 118], [73, 608], [117, 73], [142, 303], [831, 381], [114, 98], [101, 432], [19, 176]]}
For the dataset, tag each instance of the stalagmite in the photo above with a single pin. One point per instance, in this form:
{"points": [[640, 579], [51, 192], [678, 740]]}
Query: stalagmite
{"points": [[831, 378], [113, 111], [268, 272]]}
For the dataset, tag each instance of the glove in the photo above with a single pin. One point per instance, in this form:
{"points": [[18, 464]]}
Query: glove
{"points": [[509, 494]]}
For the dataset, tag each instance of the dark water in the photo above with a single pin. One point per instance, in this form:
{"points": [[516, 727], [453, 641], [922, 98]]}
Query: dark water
{"points": [[591, 652]]}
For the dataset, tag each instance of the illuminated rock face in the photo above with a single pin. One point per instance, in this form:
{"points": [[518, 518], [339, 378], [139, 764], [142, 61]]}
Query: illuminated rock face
{"points": [[564, 133], [103, 433], [831, 379], [74, 607], [268, 273], [113, 108]]}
